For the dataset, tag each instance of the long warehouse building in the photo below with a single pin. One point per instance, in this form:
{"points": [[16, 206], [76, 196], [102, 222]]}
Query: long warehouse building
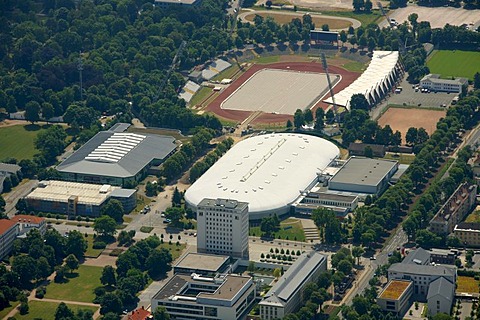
{"points": [[267, 171]]}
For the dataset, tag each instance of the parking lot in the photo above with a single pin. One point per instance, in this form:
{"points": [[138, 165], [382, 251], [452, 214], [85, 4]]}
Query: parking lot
{"points": [[409, 97]]}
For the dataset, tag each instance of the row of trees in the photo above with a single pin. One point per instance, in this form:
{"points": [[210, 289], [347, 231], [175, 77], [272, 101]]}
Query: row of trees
{"points": [[189, 151], [371, 222], [200, 167]]}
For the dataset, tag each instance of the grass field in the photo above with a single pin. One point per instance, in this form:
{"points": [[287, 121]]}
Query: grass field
{"points": [[403, 158], [92, 253], [175, 250], [46, 310], [17, 141], [473, 217], [454, 63], [354, 66], [4, 312], [79, 287], [291, 228], [467, 284], [201, 95], [364, 18]]}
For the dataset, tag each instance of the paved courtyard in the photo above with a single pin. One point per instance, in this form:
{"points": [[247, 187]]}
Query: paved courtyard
{"points": [[279, 91], [412, 98]]}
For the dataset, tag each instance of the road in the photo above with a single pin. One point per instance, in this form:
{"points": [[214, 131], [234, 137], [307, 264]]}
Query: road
{"points": [[18, 192]]}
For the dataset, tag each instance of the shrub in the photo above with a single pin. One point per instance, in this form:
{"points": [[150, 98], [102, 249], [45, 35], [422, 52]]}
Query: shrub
{"points": [[40, 292], [116, 252], [99, 245]]}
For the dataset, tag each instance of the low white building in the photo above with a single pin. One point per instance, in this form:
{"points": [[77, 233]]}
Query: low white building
{"points": [[434, 83], [222, 227], [286, 294], [196, 297]]}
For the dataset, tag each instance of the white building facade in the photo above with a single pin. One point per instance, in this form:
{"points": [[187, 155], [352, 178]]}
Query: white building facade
{"points": [[434, 83], [222, 227]]}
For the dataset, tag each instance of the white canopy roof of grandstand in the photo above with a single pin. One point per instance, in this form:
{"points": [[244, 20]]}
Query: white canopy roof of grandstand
{"points": [[380, 68], [115, 147]]}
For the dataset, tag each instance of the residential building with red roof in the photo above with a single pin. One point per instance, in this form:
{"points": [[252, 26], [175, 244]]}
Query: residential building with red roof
{"points": [[27, 223]]}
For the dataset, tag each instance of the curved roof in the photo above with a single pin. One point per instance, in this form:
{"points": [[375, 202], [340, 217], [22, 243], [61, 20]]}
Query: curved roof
{"points": [[377, 75], [267, 171]]}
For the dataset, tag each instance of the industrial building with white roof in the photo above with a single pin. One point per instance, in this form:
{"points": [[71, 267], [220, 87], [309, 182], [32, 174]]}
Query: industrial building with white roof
{"points": [[266, 171], [116, 158], [74, 198], [375, 82]]}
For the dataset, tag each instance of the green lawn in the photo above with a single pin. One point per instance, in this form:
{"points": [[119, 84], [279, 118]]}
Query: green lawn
{"points": [[291, 228], [228, 73], [4, 312], [364, 18], [267, 59], [79, 287], [403, 158], [46, 310], [201, 95], [454, 63], [467, 284], [473, 217], [17, 141], [175, 250], [354, 66], [92, 253]]}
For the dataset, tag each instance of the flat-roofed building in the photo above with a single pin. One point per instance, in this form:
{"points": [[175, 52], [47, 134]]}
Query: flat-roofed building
{"points": [[73, 198], [395, 297], [460, 203], [286, 294], [202, 263], [341, 204], [9, 231], [27, 223], [433, 82], [196, 297], [468, 233], [364, 176], [116, 158], [222, 227]]}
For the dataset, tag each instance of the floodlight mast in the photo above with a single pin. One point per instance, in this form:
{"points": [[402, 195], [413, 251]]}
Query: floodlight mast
{"points": [[401, 44], [80, 69], [325, 67], [170, 70]]}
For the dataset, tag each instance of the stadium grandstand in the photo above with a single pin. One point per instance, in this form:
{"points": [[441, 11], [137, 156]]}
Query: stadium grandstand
{"points": [[267, 171], [375, 82]]}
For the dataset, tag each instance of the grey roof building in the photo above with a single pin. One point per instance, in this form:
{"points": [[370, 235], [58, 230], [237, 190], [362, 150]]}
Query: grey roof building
{"points": [[116, 158], [419, 256], [441, 294], [364, 175], [286, 294]]}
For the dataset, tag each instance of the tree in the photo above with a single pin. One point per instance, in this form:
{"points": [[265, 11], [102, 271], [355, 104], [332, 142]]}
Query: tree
{"points": [[411, 136], [111, 303], [357, 252], [298, 119], [308, 116], [177, 198], [269, 225], [26, 268], [158, 262], [277, 273], [63, 312], [108, 276], [105, 225], [76, 244], [43, 268], [359, 102], [251, 267], [161, 314], [476, 80], [175, 214], [319, 115], [289, 124], [345, 266], [368, 152], [47, 111], [330, 115], [71, 262], [114, 209], [32, 111]]}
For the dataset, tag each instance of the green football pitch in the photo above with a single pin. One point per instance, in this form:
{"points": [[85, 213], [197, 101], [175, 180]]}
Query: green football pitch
{"points": [[454, 63]]}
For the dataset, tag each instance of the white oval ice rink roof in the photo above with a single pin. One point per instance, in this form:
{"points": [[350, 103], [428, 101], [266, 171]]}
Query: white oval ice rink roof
{"points": [[267, 171]]}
